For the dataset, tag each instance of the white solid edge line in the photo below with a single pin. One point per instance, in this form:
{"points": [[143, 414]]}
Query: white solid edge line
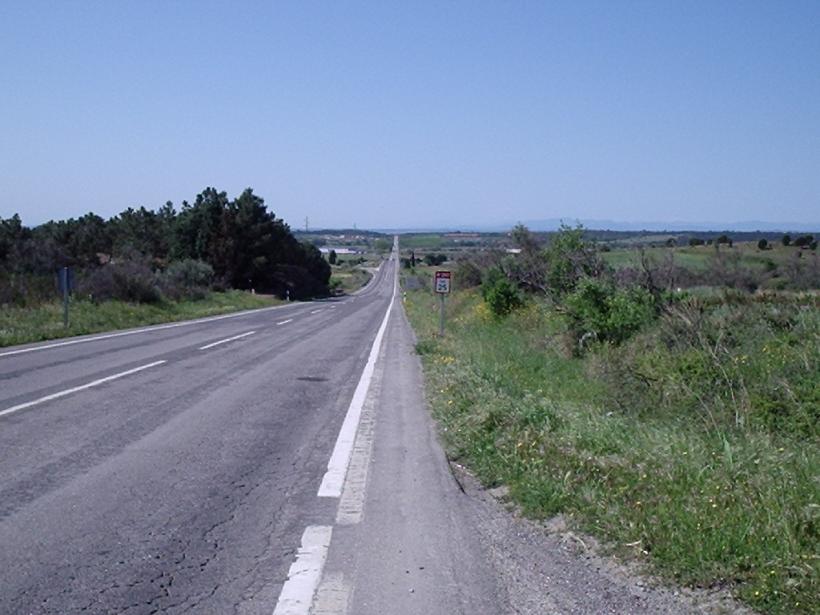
{"points": [[284, 322], [334, 478], [228, 339], [296, 597], [173, 325], [82, 387]]}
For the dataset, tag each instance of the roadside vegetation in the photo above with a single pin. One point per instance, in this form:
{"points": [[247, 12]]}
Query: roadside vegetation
{"points": [[672, 412], [348, 277], [45, 321], [146, 266]]}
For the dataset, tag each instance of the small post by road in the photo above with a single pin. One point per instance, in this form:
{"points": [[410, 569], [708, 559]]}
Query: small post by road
{"points": [[442, 288], [66, 282]]}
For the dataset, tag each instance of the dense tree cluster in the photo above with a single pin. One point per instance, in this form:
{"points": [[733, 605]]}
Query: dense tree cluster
{"points": [[245, 245]]}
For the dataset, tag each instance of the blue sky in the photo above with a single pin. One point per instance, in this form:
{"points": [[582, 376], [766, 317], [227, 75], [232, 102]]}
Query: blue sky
{"points": [[410, 114]]}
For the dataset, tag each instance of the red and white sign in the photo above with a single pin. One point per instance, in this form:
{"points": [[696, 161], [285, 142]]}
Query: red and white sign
{"points": [[442, 282]]}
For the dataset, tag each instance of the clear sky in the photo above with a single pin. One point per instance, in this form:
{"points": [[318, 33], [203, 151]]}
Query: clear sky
{"points": [[408, 113]]}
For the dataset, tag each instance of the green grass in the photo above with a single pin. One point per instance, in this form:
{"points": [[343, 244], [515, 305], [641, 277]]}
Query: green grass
{"points": [[45, 322], [430, 242], [698, 258], [702, 501]]}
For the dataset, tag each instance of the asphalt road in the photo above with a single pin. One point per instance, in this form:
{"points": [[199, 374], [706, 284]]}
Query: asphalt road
{"points": [[184, 486]]}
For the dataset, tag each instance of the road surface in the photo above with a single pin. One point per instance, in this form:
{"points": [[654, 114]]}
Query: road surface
{"points": [[184, 486]]}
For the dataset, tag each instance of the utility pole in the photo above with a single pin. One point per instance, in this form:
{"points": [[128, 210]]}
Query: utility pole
{"points": [[306, 224]]}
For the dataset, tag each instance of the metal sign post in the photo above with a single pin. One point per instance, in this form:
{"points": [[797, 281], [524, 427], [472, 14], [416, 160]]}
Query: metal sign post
{"points": [[66, 277], [442, 287]]}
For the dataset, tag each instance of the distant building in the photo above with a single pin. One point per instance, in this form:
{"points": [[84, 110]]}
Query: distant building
{"points": [[327, 249], [460, 235]]}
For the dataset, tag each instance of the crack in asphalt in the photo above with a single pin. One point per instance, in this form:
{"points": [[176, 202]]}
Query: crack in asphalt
{"points": [[156, 589]]}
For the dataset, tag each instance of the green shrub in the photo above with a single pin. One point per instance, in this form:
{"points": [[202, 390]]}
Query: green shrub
{"points": [[467, 274], [186, 279], [569, 259], [190, 273], [27, 289], [129, 280], [599, 310], [433, 260], [500, 294]]}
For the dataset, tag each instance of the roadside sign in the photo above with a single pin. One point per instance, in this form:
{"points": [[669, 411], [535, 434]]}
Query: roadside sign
{"points": [[65, 277], [443, 282]]}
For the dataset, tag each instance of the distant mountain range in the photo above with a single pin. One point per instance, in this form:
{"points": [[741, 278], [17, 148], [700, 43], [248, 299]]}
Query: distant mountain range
{"points": [[552, 224]]}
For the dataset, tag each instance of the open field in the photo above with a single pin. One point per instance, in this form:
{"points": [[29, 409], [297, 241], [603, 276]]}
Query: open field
{"points": [[44, 322], [699, 257], [708, 476], [433, 241]]}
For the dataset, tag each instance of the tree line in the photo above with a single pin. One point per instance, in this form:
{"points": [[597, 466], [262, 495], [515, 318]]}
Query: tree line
{"points": [[237, 243]]}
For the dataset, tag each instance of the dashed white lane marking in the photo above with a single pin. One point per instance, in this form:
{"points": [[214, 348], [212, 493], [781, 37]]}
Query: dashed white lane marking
{"points": [[334, 478], [94, 383], [305, 573], [187, 323], [315, 311], [226, 340], [284, 322]]}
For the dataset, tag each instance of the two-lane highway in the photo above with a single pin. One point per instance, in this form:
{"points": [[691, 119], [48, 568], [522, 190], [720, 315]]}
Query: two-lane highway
{"points": [[174, 468]]}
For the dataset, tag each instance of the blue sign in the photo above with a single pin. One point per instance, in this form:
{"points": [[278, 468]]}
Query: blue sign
{"points": [[66, 278]]}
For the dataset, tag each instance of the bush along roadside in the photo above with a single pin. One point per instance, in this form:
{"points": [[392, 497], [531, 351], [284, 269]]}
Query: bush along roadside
{"points": [[686, 437]]}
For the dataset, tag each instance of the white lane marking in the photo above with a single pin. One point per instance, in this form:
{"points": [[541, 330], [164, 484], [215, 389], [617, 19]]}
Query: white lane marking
{"points": [[284, 322], [351, 503], [226, 340], [333, 595], [187, 323], [82, 387], [334, 478], [305, 573], [315, 311]]}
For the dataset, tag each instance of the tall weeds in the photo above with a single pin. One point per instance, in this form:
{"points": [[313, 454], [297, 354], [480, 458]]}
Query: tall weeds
{"points": [[691, 447]]}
